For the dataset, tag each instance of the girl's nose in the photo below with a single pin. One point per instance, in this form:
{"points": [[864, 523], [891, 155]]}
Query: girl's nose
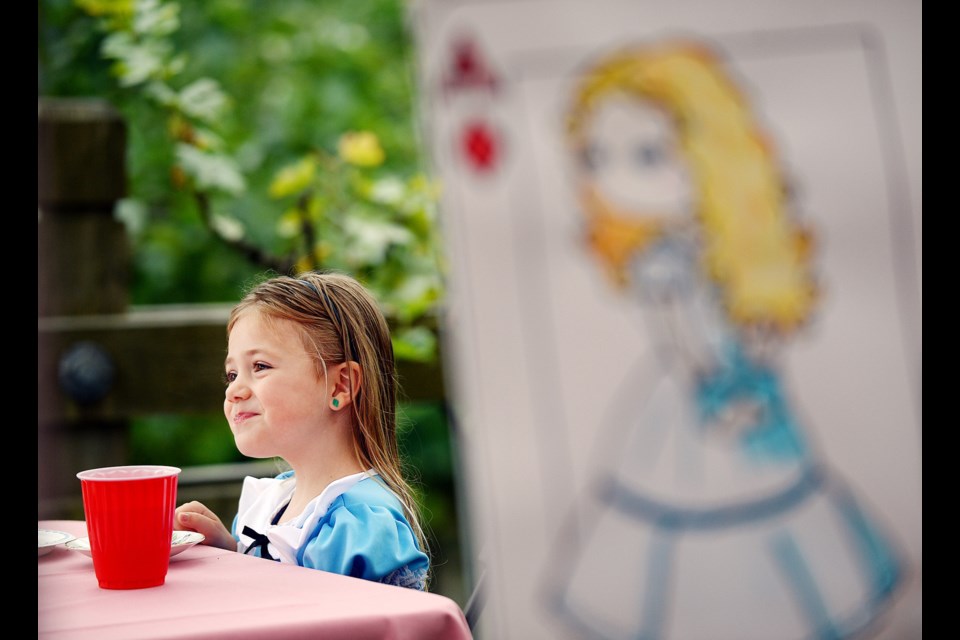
{"points": [[237, 390]]}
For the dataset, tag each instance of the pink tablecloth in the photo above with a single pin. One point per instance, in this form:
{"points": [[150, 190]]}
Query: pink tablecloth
{"points": [[212, 593]]}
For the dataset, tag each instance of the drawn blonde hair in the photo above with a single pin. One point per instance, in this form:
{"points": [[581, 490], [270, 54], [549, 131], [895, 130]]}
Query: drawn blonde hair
{"points": [[756, 255], [340, 320]]}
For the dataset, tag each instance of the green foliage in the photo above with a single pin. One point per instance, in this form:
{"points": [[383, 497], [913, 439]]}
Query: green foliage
{"points": [[182, 441], [262, 136]]}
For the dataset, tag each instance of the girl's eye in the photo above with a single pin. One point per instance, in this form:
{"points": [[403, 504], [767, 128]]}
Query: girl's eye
{"points": [[260, 366], [229, 377]]}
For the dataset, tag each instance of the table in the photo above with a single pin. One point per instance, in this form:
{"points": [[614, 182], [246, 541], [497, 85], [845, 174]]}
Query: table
{"points": [[212, 593]]}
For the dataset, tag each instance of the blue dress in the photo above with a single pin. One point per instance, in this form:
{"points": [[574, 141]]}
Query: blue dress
{"points": [[355, 527]]}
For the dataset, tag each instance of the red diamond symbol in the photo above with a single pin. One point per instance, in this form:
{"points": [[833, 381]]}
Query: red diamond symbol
{"points": [[480, 146]]}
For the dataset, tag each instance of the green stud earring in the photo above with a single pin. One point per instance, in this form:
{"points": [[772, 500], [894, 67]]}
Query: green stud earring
{"points": [[336, 403]]}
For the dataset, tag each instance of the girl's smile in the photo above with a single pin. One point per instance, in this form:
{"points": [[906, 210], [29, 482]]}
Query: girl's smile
{"points": [[242, 416]]}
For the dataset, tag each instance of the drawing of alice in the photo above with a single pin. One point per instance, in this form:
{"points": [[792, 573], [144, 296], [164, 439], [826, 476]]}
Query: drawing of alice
{"points": [[712, 516]]}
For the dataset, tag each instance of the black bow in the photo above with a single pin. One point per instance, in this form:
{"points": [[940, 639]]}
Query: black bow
{"points": [[259, 540]]}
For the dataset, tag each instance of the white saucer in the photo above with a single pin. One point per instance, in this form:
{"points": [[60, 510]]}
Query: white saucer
{"points": [[48, 539], [182, 540]]}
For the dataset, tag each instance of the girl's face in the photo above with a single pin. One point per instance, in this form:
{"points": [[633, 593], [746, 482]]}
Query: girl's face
{"points": [[633, 160], [275, 399]]}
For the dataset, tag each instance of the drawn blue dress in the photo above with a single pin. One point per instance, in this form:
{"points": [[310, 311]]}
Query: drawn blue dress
{"points": [[706, 531]]}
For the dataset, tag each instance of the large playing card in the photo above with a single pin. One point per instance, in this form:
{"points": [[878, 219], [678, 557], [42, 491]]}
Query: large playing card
{"points": [[684, 322]]}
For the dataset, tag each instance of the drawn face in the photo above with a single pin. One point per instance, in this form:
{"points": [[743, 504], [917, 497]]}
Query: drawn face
{"points": [[633, 159]]}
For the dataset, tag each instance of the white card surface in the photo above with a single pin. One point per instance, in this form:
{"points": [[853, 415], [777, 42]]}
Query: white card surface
{"points": [[684, 326]]}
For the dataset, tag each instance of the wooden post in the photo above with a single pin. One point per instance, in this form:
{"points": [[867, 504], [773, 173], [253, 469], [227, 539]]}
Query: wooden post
{"points": [[83, 261]]}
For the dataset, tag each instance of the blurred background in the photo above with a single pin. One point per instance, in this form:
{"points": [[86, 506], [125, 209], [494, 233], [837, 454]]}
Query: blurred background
{"points": [[183, 151]]}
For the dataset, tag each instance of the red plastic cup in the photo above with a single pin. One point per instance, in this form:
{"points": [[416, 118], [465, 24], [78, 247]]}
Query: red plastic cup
{"points": [[129, 512]]}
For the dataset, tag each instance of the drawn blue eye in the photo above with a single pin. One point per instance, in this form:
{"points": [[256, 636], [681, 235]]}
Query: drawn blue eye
{"points": [[649, 155], [592, 157]]}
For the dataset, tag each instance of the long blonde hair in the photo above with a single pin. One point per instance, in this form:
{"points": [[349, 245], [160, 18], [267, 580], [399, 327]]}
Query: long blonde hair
{"points": [[339, 321], [757, 255]]}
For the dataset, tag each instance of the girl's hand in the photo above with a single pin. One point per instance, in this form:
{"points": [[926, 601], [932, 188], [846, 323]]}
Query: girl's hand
{"points": [[195, 516]]}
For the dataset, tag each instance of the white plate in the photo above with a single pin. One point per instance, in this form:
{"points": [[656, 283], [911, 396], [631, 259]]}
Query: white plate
{"points": [[182, 540], [48, 539]]}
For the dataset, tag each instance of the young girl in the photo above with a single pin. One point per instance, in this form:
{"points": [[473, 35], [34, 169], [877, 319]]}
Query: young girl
{"points": [[310, 379]]}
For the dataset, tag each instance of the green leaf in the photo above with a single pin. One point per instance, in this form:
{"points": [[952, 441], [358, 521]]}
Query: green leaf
{"points": [[207, 140], [211, 171], [203, 99], [418, 344], [156, 19], [415, 295], [136, 62], [161, 93], [133, 214], [288, 226], [389, 191], [369, 238], [228, 228]]}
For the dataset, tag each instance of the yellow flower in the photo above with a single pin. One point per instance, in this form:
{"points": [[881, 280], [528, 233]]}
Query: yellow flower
{"points": [[293, 178], [360, 148], [116, 8]]}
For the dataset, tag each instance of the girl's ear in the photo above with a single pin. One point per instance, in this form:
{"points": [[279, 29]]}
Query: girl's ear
{"points": [[347, 379]]}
